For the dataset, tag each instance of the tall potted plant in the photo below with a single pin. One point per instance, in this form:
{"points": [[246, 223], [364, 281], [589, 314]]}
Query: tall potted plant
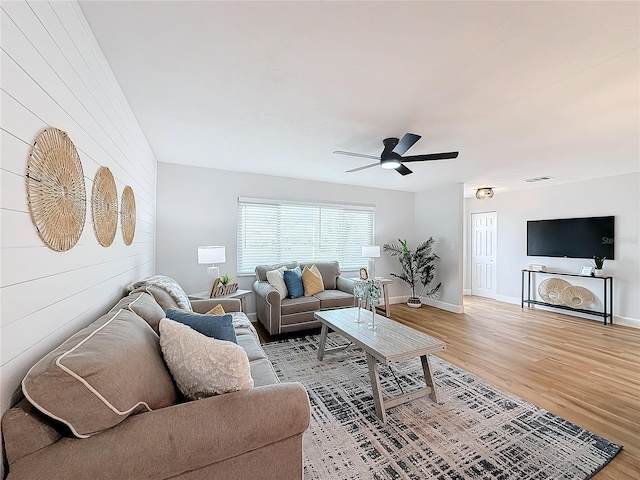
{"points": [[418, 268]]}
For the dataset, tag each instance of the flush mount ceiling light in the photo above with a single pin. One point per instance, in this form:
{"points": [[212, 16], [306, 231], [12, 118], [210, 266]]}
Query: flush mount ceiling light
{"points": [[485, 192]]}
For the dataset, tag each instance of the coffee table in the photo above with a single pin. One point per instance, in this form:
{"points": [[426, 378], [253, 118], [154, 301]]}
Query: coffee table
{"points": [[389, 342]]}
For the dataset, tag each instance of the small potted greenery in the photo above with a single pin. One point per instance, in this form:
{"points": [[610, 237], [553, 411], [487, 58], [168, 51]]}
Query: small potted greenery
{"points": [[418, 268], [598, 262]]}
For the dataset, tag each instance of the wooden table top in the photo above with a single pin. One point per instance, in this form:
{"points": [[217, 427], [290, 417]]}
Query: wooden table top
{"points": [[390, 342]]}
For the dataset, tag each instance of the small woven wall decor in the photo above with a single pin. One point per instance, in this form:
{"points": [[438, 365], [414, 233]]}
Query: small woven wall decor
{"points": [[128, 215], [104, 207], [577, 297], [56, 192], [551, 290]]}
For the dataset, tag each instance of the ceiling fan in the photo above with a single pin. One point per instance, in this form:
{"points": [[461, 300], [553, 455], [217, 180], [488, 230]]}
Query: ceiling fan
{"points": [[391, 157]]}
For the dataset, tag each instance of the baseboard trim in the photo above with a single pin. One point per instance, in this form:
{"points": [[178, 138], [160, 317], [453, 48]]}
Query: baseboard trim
{"points": [[466, 291], [400, 299], [449, 307], [626, 321], [253, 317], [508, 299]]}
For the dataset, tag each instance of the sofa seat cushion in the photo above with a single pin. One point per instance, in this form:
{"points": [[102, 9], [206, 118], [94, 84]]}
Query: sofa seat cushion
{"points": [[334, 299], [143, 305], [104, 373], [253, 349], [290, 306], [263, 374]]}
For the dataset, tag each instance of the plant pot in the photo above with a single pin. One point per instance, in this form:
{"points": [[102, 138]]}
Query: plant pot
{"points": [[600, 272], [414, 302]]}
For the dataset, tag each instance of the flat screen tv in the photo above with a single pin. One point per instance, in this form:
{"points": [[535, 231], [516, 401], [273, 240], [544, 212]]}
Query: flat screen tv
{"points": [[571, 237]]}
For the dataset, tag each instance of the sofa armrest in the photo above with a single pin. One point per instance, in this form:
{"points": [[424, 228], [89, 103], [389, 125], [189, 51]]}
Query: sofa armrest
{"points": [[203, 306], [345, 284], [268, 305], [176, 439]]}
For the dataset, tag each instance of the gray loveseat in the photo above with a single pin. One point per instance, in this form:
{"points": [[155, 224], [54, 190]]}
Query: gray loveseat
{"points": [[243, 434], [282, 315]]}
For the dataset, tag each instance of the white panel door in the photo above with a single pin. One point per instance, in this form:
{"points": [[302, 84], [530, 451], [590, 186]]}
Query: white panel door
{"points": [[483, 254]]}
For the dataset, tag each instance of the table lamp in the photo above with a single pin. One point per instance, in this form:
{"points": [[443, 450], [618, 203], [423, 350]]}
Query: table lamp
{"points": [[211, 254], [372, 252]]}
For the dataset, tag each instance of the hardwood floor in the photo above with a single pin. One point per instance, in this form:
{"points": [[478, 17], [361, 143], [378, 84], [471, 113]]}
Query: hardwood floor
{"points": [[578, 369]]}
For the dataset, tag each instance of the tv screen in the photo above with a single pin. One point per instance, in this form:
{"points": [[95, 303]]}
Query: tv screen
{"points": [[571, 237]]}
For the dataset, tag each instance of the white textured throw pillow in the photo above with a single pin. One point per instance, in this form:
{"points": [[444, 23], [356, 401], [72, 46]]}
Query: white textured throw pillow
{"points": [[276, 280], [202, 366]]}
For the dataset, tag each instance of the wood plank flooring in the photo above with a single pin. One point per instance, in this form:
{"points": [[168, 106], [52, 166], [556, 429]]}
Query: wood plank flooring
{"points": [[578, 369]]}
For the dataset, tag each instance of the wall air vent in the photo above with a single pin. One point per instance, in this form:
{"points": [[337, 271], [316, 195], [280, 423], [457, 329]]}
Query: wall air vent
{"points": [[537, 179]]}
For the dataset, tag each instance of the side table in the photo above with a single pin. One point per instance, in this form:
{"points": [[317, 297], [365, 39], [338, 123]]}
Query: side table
{"points": [[239, 294], [385, 293]]}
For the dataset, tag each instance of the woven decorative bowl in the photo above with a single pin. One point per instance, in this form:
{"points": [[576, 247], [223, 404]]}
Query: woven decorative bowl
{"points": [[128, 215], [551, 289], [577, 297], [104, 207], [56, 191]]}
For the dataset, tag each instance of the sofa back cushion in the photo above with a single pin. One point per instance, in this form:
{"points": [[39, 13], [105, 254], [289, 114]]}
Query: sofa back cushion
{"points": [[330, 272], [261, 270], [111, 369], [143, 305]]}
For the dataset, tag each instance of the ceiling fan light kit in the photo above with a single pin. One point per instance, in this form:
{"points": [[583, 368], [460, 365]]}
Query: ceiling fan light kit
{"points": [[391, 157], [390, 163], [484, 193]]}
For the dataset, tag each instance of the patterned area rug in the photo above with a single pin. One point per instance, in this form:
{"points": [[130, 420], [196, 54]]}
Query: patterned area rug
{"points": [[477, 432]]}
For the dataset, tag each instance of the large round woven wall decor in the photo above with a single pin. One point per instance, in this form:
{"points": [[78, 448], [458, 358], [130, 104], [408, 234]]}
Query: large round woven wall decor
{"points": [[128, 215], [56, 191], [104, 207], [577, 297], [551, 290]]}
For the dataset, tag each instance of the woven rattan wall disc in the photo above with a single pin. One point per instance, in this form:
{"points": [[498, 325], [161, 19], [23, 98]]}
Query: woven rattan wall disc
{"points": [[577, 297], [104, 207], [551, 290], [128, 215], [56, 192]]}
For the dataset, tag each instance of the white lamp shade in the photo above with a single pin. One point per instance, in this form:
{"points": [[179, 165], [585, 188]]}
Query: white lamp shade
{"points": [[371, 251], [211, 254]]}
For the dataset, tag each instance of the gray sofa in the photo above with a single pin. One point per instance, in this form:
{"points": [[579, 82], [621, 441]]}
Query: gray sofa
{"points": [[282, 315], [243, 434]]}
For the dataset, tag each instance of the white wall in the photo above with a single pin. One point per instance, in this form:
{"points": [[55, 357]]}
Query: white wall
{"points": [[54, 74], [198, 206], [439, 215], [618, 196]]}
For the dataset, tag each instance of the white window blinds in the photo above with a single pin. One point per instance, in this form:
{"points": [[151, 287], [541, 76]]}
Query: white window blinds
{"points": [[273, 231]]}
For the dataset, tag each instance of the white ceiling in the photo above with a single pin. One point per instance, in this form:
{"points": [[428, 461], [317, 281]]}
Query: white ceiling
{"points": [[521, 89]]}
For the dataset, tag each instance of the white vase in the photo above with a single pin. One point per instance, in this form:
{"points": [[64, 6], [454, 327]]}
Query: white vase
{"points": [[600, 272], [414, 302]]}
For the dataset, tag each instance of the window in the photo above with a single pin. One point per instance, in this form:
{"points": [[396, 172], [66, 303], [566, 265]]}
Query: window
{"points": [[273, 231]]}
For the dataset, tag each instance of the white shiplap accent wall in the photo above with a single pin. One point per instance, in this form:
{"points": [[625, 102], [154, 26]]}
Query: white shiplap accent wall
{"points": [[54, 74]]}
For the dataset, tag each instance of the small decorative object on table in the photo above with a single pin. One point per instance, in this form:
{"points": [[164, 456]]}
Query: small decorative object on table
{"points": [[219, 289], [598, 262], [369, 291], [363, 274], [586, 270]]}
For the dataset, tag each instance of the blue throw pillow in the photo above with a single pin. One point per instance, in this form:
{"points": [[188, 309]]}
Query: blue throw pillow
{"points": [[219, 327], [293, 279]]}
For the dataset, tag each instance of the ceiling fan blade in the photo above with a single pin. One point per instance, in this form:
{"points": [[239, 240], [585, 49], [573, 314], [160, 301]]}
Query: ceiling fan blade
{"points": [[402, 170], [406, 143], [362, 168], [340, 152], [430, 156]]}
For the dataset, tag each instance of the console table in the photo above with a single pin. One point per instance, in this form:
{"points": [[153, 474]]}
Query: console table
{"points": [[607, 292]]}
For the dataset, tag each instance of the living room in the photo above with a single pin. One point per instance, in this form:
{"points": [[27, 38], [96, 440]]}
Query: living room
{"points": [[63, 68]]}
